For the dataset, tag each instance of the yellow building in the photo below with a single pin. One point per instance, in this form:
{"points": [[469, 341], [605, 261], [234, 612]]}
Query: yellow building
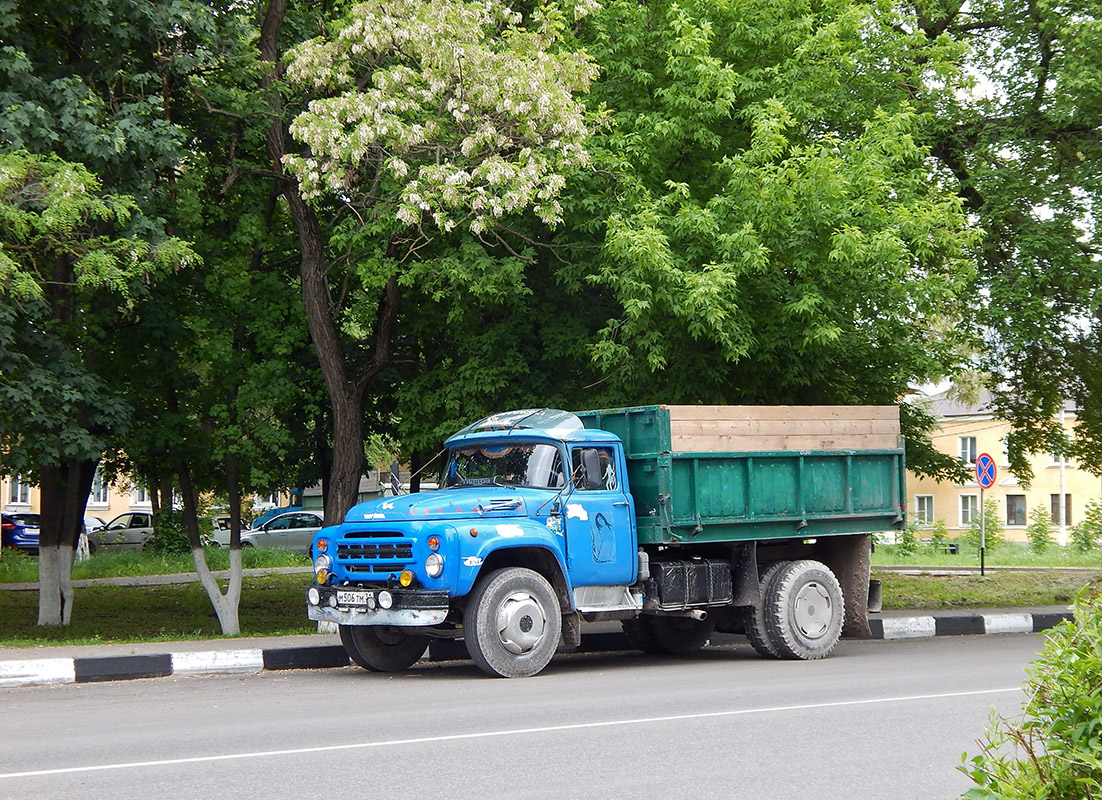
{"points": [[966, 432]]}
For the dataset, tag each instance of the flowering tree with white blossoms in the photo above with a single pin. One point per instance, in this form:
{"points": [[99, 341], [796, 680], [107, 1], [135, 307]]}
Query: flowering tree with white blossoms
{"points": [[426, 119], [458, 113]]}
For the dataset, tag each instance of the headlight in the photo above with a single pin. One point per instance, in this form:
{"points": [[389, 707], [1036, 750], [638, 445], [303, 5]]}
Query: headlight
{"points": [[434, 565], [314, 596], [322, 565], [386, 599]]}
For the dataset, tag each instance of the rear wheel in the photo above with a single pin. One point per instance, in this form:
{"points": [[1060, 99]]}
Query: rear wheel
{"points": [[755, 628], [804, 610], [512, 623], [382, 648]]}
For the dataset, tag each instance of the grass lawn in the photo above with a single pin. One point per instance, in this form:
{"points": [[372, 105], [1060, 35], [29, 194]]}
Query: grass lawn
{"points": [[271, 605], [17, 567], [995, 590], [1006, 555]]}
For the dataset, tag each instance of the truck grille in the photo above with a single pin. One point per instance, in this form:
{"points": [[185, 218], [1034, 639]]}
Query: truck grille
{"points": [[365, 552]]}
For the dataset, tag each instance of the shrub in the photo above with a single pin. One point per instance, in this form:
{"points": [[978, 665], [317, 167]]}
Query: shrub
{"points": [[939, 537], [1055, 751], [1040, 529], [1087, 535], [907, 543], [169, 536], [993, 529]]}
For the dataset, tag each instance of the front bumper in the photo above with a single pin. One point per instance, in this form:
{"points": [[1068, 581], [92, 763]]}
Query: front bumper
{"points": [[355, 606]]}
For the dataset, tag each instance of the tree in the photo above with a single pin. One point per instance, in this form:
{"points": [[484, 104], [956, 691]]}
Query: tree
{"points": [[427, 119], [1087, 535], [992, 528], [1040, 529], [67, 273], [1023, 151], [764, 224]]}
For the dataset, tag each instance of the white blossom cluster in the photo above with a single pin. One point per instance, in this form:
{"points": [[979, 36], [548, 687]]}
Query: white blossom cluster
{"points": [[459, 111]]}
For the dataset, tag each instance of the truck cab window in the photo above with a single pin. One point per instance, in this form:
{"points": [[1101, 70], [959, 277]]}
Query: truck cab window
{"points": [[535, 465], [604, 465]]}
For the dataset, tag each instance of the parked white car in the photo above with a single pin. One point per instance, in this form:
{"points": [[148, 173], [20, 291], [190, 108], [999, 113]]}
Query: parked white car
{"points": [[294, 530]]}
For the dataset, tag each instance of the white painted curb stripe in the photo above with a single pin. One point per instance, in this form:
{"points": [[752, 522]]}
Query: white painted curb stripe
{"points": [[909, 627], [37, 671], [217, 661], [1008, 623]]}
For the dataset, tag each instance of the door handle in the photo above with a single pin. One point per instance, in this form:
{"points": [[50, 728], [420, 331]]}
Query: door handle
{"points": [[620, 503]]}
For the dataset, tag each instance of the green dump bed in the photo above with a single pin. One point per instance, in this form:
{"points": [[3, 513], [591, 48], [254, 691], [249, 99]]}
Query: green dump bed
{"points": [[732, 473]]}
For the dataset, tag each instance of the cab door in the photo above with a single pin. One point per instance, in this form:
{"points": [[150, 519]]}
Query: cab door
{"points": [[599, 519]]}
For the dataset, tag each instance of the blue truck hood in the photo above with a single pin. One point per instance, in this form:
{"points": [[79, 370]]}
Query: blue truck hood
{"points": [[467, 503]]}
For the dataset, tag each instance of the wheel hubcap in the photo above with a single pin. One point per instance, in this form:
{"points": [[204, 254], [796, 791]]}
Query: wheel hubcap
{"points": [[813, 610], [520, 623]]}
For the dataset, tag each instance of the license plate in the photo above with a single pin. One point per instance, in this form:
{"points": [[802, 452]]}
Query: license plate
{"points": [[347, 597]]}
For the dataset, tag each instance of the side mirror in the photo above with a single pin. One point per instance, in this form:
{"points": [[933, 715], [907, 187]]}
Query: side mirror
{"points": [[591, 469]]}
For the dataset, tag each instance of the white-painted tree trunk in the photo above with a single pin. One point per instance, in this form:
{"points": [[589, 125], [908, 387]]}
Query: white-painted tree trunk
{"points": [[55, 585], [225, 605]]}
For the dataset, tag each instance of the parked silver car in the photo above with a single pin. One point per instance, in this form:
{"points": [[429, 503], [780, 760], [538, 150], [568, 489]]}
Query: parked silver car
{"points": [[294, 530], [125, 532]]}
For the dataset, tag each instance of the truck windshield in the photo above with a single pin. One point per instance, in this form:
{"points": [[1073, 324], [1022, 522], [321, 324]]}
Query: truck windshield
{"points": [[535, 465]]}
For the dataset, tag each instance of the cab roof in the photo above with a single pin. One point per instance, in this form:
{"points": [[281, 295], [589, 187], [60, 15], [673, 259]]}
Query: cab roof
{"points": [[546, 422]]}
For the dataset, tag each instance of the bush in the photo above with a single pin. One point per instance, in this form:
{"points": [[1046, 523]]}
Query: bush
{"points": [[907, 543], [1040, 529], [1087, 535], [1055, 751], [939, 537], [169, 536], [993, 529]]}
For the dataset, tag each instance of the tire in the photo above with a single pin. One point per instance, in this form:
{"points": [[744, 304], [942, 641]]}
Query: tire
{"points": [[512, 623], [382, 648], [754, 624], [804, 610]]}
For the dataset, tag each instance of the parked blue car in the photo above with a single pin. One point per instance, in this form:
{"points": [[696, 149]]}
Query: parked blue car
{"points": [[20, 530]]}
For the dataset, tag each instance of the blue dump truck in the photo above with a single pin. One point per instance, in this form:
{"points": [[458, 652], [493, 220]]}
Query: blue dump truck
{"points": [[675, 520]]}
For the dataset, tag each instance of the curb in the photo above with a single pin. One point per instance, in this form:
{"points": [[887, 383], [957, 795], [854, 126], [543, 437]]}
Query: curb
{"points": [[51, 671]]}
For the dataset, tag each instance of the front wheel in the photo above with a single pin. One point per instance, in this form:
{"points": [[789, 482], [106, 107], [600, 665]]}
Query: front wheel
{"points": [[512, 623], [804, 610], [382, 648]]}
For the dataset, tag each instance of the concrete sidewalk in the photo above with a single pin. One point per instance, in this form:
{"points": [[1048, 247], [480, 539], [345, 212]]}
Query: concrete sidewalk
{"points": [[59, 664]]}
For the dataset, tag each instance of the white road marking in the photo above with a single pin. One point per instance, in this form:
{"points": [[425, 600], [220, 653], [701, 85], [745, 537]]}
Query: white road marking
{"points": [[491, 734]]}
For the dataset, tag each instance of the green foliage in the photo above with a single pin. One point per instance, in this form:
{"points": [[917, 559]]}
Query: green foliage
{"points": [[907, 544], [938, 537], [1055, 750], [1040, 529], [1087, 535], [169, 536], [992, 532], [771, 233]]}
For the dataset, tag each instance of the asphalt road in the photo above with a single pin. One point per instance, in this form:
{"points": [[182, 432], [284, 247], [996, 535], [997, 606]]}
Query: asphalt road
{"points": [[880, 719]]}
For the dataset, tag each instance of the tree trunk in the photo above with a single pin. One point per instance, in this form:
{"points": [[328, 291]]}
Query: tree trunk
{"points": [[346, 389], [64, 493], [225, 605]]}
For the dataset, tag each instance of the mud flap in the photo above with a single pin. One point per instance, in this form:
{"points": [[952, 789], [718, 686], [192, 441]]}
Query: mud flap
{"points": [[849, 557]]}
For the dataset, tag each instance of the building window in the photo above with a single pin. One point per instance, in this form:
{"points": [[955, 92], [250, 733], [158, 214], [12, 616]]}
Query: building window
{"points": [[924, 509], [969, 504], [1015, 509], [1056, 460], [1055, 502], [99, 494], [968, 449], [140, 496], [19, 493]]}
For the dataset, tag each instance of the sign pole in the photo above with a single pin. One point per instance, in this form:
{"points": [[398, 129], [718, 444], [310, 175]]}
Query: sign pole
{"points": [[983, 531], [986, 472]]}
